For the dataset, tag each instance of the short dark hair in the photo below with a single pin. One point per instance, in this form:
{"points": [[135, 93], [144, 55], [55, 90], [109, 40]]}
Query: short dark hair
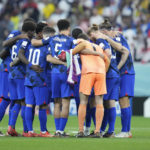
{"points": [[63, 24], [47, 30], [83, 36], [76, 32], [93, 28], [29, 19], [106, 25], [29, 26], [40, 26]]}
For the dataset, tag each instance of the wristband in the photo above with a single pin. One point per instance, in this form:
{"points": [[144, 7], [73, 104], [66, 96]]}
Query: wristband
{"points": [[29, 65]]}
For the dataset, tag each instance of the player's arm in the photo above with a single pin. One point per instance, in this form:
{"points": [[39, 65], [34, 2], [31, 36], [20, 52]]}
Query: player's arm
{"points": [[23, 59], [13, 40], [53, 60], [89, 52], [107, 61], [4, 53], [42, 42], [118, 47], [15, 62]]}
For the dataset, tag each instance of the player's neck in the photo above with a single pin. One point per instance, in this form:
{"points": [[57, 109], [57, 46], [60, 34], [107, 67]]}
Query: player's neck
{"points": [[64, 32]]}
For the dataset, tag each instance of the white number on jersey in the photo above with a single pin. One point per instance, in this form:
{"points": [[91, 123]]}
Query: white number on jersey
{"points": [[57, 47], [34, 56], [14, 54]]}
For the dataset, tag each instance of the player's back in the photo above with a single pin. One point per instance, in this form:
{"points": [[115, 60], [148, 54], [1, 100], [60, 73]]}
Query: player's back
{"points": [[17, 71], [92, 63], [113, 70], [36, 56], [128, 66], [59, 43]]}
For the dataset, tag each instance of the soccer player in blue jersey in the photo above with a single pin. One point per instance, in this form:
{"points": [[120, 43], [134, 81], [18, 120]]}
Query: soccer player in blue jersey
{"points": [[16, 79], [36, 90], [4, 71], [61, 90], [112, 77], [127, 80]]}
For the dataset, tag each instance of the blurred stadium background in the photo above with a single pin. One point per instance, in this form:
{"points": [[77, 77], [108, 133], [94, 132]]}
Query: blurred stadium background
{"points": [[132, 17]]}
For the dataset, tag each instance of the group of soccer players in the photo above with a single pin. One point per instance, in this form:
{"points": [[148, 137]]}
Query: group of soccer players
{"points": [[34, 72]]}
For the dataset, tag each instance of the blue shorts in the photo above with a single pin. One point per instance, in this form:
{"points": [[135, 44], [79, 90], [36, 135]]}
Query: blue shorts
{"points": [[36, 95], [17, 89], [4, 86], [127, 85], [50, 99], [112, 85], [60, 87]]}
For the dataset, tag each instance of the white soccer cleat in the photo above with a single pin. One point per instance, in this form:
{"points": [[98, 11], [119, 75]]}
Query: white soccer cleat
{"points": [[1, 134], [86, 131], [123, 135]]}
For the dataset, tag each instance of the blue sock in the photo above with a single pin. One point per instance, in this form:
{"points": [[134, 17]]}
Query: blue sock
{"points": [[57, 123], [130, 115], [124, 119], [111, 119], [14, 114], [63, 122], [105, 120], [88, 117], [10, 108], [43, 119], [29, 117], [25, 129], [3, 106], [93, 111]]}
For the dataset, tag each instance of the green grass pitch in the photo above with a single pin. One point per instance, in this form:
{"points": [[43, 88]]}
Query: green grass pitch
{"points": [[140, 140]]}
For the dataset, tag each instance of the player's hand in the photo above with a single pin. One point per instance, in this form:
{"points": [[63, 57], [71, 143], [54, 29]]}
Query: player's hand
{"points": [[11, 64], [23, 36], [36, 68]]}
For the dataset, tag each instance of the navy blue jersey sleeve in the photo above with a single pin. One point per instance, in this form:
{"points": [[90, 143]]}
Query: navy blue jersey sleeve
{"points": [[124, 42], [103, 44], [74, 43], [46, 41], [48, 52], [24, 45], [13, 34]]}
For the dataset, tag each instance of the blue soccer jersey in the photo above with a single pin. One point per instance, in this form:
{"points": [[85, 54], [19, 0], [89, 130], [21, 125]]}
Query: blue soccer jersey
{"points": [[5, 63], [18, 71], [128, 67], [37, 56], [113, 70], [59, 43]]}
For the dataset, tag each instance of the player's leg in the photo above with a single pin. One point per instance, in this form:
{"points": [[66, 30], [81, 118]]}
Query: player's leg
{"points": [[86, 85], [113, 96], [126, 91], [30, 102], [41, 96], [15, 108], [4, 90], [56, 94], [64, 114], [82, 111], [66, 92]]}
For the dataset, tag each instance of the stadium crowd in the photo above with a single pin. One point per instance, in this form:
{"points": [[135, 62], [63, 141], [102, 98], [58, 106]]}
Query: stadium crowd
{"points": [[130, 17]]}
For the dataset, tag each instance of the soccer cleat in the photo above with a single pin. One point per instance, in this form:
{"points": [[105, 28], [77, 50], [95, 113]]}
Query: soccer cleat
{"points": [[86, 131], [57, 134], [123, 135], [1, 134], [80, 135], [102, 132], [24, 134], [46, 134], [31, 134], [109, 135], [64, 134], [12, 132], [96, 135], [130, 134]]}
